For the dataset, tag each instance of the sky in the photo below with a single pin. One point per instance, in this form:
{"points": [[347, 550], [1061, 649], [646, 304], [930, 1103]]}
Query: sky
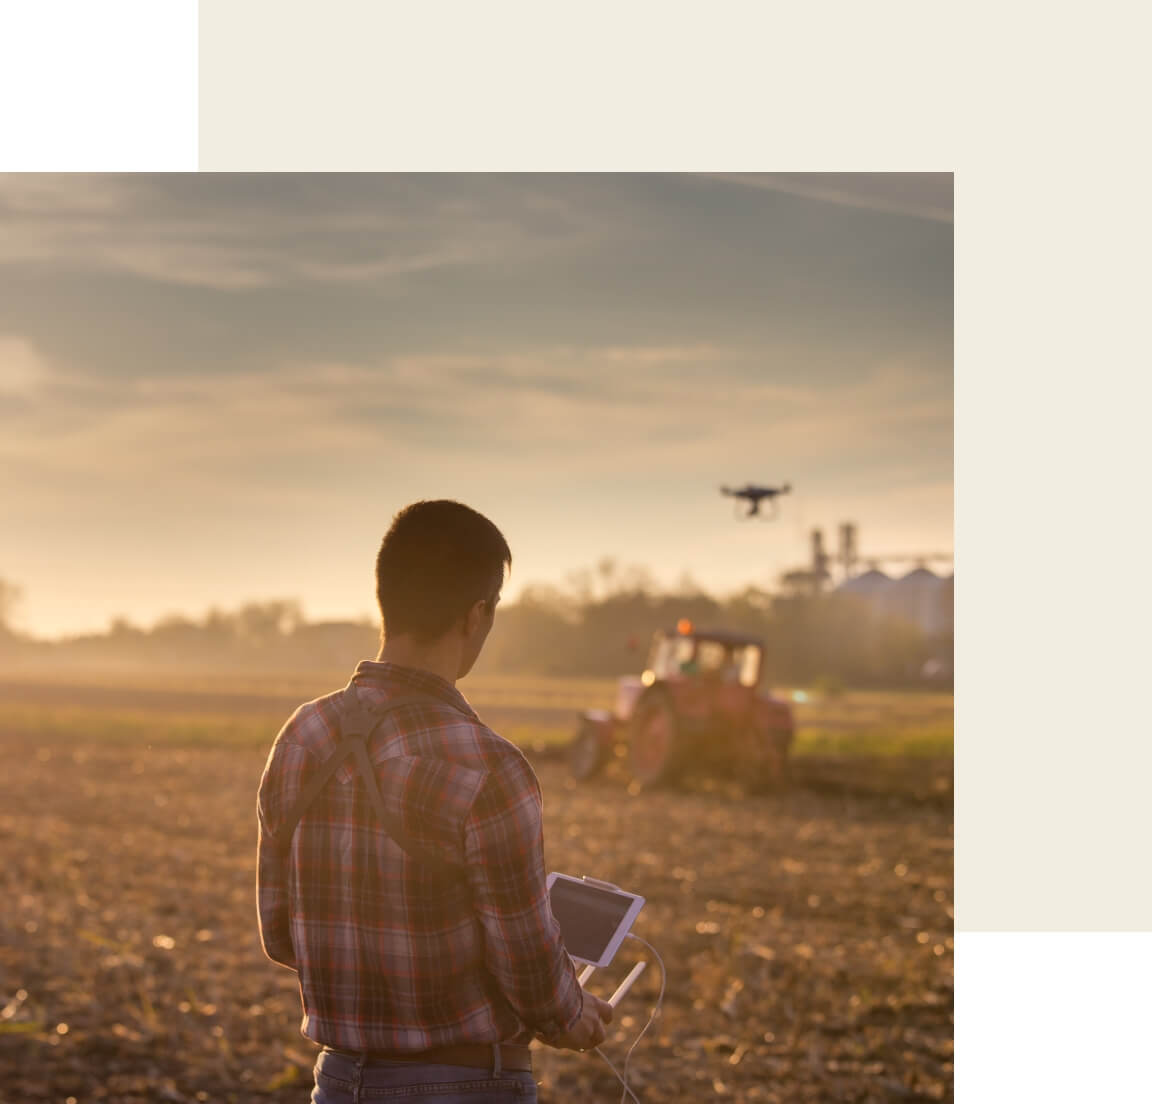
{"points": [[220, 388]]}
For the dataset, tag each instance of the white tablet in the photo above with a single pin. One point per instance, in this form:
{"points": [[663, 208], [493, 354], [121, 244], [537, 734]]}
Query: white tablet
{"points": [[594, 916]]}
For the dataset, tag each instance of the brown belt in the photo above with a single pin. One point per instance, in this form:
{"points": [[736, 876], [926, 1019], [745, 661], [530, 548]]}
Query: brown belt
{"points": [[513, 1056]]}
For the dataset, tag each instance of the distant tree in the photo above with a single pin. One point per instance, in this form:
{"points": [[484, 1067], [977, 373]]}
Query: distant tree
{"points": [[261, 623], [121, 630], [609, 629], [607, 579], [175, 629], [539, 634], [748, 610], [581, 586], [686, 584], [545, 596], [219, 628], [634, 579]]}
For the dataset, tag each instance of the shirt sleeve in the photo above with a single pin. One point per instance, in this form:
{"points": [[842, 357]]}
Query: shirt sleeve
{"points": [[278, 789], [524, 951]]}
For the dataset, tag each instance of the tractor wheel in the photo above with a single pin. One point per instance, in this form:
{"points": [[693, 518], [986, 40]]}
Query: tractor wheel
{"points": [[586, 753], [655, 747]]}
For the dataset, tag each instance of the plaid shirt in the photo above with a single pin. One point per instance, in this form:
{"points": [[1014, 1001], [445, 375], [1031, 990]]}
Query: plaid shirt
{"points": [[392, 956]]}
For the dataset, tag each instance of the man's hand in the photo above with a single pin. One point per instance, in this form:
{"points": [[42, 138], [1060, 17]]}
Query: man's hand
{"points": [[589, 1030]]}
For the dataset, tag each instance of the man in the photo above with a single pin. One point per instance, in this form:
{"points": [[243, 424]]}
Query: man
{"points": [[405, 883]]}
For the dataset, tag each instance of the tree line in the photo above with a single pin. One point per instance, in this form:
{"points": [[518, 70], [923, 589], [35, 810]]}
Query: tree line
{"points": [[599, 624]]}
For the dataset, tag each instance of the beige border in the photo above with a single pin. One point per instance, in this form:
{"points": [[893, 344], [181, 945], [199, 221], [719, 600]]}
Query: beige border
{"points": [[601, 85]]}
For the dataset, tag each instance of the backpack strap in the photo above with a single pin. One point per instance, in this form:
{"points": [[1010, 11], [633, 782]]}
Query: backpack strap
{"points": [[357, 725]]}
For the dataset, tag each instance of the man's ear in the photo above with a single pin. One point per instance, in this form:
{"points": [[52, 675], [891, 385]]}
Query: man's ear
{"points": [[474, 618]]}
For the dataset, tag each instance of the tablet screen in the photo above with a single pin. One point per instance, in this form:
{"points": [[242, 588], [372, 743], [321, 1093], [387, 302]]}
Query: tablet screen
{"points": [[588, 916]]}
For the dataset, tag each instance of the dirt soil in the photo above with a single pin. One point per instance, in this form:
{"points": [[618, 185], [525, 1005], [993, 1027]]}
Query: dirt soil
{"points": [[807, 936]]}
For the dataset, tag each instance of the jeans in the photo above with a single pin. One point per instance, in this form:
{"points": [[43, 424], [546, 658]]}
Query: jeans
{"points": [[342, 1079]]}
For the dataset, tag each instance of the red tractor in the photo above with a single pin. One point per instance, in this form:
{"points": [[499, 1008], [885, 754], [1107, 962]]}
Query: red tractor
{"points": [[695, 708]]}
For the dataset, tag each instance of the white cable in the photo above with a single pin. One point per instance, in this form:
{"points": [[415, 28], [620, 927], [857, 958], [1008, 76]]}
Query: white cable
{"points": [[627, 1091], [655, 1010], [623, 1079]]}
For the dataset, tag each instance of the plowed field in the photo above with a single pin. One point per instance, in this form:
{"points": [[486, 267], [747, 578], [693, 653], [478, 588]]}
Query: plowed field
{"points": [[807, 936]]}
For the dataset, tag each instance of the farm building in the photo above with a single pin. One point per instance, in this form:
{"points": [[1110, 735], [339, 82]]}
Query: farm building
{"points": [[921, 596]]}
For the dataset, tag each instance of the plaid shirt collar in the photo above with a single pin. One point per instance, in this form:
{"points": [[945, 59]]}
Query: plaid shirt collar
{"points": [[407, 680]]}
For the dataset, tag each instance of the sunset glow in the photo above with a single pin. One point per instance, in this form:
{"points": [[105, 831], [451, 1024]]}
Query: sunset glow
{"points": [[215, 389]]}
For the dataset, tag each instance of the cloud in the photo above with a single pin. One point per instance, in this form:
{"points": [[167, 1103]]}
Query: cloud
{"points": [[246, 232], [614, 416], [917, 195], [67, 195], [23, 370], [267, 233]]}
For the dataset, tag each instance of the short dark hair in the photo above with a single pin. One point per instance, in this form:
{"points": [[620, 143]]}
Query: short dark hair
{"points": [[436, 561]]}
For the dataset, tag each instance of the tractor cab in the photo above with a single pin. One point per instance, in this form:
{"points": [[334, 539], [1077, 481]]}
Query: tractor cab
{"points": [[710, 677], [716, 657]]}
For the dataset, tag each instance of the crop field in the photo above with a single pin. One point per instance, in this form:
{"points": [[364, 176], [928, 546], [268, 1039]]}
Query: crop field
{"points": [[807, 935]]}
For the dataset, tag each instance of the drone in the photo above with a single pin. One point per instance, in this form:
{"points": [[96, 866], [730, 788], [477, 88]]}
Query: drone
{"points": [[754, 495]]}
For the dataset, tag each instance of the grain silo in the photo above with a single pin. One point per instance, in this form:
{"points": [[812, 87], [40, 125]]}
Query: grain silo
{"points": [[919, 597]]}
